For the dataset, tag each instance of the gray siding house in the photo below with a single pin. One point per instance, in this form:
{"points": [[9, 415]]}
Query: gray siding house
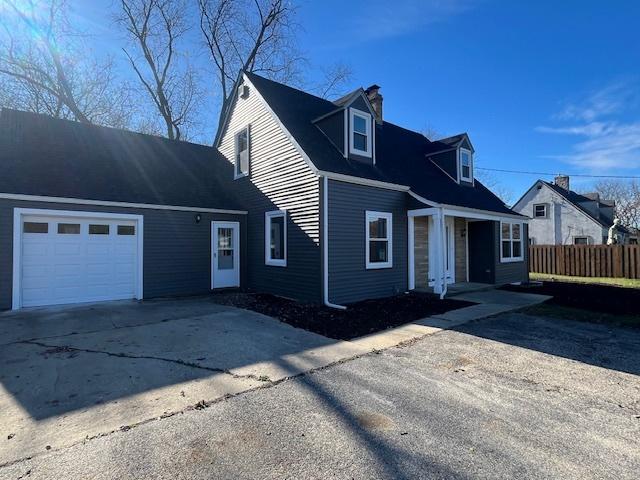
{"points": [[560, 216], [316, 200], [369, 208]]}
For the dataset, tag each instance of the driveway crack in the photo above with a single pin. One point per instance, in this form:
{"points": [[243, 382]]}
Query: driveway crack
{"points": [[144, 357]]}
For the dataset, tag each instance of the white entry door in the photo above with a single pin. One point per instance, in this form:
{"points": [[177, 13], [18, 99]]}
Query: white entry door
{"points": [[76, 258], [225, 254], [450, 253]]}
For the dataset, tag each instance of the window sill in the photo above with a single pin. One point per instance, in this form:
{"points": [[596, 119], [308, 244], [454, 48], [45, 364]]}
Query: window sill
{"points": [[361, 153], [276, 263], [378, 266], [511, 260]]}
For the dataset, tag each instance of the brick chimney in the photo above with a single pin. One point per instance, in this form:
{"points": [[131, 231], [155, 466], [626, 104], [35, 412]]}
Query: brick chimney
{"points": [[373, 93], [562, 181]]}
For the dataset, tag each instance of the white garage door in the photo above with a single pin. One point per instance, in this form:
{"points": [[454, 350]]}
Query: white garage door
{"points": [[77, 259]]}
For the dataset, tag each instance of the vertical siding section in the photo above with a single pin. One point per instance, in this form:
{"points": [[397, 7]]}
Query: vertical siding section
{"points": [[510, 272], [349, 280], [177, 250], [421, 252], [279, 179], [460, 226]]}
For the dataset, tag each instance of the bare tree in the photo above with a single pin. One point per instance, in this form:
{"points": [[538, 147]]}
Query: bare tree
{"points": [[626, 195], [332, 81], [260, 36], [155, 28], [44, 72]]}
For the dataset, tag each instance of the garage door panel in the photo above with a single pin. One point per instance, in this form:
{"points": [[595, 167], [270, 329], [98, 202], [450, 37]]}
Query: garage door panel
{"points": [[31, 249], [67, 248], [78, 267]]}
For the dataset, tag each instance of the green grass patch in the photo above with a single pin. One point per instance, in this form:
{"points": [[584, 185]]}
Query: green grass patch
{"points": [[578, 314], [618, 282]]}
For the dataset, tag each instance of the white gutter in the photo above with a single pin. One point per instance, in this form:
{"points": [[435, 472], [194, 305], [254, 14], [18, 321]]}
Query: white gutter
{"points": [[325, 245]]}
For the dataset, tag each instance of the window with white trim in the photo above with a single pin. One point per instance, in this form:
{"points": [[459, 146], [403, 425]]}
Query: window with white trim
{"points": [[242, 153], [540, 210], [379, 239], [581, 240], [466, 165], [511, 241], [360, 133], [275, 238]]}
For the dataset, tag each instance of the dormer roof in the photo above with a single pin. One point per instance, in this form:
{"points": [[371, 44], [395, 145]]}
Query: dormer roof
{"points": [[400, 153]]}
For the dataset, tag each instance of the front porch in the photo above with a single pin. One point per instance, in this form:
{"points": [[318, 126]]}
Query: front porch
{"points": [[453, 251]]}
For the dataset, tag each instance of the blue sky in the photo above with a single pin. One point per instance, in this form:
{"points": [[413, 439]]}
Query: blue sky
{"points": [[550, 86]]}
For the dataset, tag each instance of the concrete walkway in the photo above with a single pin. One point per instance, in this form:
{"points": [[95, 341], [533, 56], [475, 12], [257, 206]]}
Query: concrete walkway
{"points": [[488, 303], [77, 373]]}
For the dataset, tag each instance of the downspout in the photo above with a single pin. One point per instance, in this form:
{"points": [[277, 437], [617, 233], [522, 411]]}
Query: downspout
{"points": [[443, 233], [325, 245]]}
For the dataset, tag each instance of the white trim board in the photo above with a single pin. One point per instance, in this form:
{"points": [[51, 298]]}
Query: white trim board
{"points": [[108, 203], [19, 213]]}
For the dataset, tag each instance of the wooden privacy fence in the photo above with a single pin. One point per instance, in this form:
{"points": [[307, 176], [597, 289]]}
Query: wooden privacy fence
{"points": [[620, 261]]}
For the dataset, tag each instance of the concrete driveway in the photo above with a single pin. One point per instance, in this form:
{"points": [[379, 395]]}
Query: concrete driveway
{"points": [[511, 396], [70, 374]]}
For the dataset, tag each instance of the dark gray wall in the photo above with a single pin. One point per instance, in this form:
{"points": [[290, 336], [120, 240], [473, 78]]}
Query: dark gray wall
{"points": [[301, 279], [511, 272], [349, 280], [177, 250], [333, 127], [447, 161]]}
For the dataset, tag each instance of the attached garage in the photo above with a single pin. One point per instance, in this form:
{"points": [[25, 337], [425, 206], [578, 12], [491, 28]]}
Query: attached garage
{"points": [[63, 257], [90, 214]]}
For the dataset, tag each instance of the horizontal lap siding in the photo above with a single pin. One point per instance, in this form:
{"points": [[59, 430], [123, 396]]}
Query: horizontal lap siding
{"points": [[279, 179], [349, 280], [511, 272], [177, 250]]}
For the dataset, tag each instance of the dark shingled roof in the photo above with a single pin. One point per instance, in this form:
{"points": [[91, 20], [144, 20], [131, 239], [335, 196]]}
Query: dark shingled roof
{"points": [[576, 199], [400, 153], [40, 155]]}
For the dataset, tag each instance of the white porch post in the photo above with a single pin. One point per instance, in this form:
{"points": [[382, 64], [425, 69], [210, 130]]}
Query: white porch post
{"points": [[411, 253], [438, 244]]}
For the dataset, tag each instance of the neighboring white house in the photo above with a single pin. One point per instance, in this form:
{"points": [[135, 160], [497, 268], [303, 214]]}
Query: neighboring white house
{"points": [[563, 217]]}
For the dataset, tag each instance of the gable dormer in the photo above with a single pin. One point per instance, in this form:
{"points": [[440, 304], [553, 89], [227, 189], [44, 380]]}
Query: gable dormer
{"points": [[351, 127], [454, 155]]}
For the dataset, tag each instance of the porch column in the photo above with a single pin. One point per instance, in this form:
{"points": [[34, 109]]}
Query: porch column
{"points": [[439, 266], [411, 256]]}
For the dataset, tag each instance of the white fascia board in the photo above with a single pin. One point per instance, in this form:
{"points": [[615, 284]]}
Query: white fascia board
{"points": [[107, 203], [423, 200], [455, 211], [363, 181]]}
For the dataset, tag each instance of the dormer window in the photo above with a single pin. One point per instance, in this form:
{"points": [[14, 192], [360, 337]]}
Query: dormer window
{"points": [[466, 165], [242, 153], [360, 134]]}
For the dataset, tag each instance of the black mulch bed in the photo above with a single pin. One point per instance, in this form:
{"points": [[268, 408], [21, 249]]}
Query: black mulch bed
{"points": [[359, 319], [600, 298]]}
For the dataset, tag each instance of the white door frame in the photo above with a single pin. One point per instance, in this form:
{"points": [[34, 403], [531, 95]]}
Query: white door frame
{"points": [[19, 213], [236, 249]]}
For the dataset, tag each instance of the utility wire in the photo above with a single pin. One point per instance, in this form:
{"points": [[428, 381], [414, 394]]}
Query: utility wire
{"points": [[629, 177]]}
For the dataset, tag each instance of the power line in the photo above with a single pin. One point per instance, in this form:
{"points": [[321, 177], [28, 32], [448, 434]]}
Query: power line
{"points": [[627, 177]]}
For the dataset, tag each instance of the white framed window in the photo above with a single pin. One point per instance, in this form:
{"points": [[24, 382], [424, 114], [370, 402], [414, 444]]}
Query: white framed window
{"points": [[242, 158], [379, 239], [511, 242], [275, 238], [466, 165], [581, 240], [540, 210], [360, 133]]}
